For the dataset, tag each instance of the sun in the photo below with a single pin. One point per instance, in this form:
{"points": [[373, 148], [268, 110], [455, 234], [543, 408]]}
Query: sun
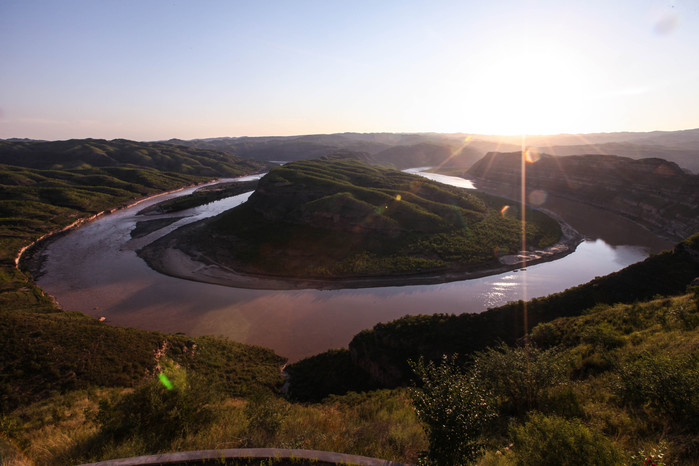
{"points": [[527, 87]]}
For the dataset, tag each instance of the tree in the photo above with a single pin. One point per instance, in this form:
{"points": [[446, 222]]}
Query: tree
{"points": [[454, 407]]}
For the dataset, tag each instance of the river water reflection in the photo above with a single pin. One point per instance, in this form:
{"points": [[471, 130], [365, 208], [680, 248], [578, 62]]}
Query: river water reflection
{"points": [[95, 270]]}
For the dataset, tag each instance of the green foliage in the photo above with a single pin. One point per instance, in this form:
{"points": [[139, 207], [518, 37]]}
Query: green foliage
{"points": [[61, 351], [519, 377], [454, 408], [340, 218], [555, 441], [545, 335], [171, 404], [387, 346], [603, 337], [265, 415], [328, 373], [665, 384]]}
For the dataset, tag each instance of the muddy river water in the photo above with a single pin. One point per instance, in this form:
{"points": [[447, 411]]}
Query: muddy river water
{"points": [[95, 270]]}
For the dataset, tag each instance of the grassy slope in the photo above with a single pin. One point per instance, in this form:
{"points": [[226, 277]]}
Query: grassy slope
{"points": [[383, 350], [49, 353], [86, 153], [46, 351], [45, 186], [595, 360], [342, 218]]}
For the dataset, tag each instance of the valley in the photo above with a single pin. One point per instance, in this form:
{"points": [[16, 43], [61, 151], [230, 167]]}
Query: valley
{"points": [[601, 308]]}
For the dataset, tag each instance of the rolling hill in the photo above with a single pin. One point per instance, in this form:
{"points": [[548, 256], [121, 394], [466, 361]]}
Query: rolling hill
{"points": [[338, 218]]}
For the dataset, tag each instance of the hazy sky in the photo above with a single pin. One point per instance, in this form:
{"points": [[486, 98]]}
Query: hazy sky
{"points": [[151, 69]]}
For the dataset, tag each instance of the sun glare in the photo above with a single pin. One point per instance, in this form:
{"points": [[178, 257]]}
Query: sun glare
{"points": [[531, 88]]}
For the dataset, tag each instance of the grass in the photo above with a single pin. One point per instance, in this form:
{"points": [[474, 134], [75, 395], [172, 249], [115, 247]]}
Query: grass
{"points": [[577, 408], [64, 428]]}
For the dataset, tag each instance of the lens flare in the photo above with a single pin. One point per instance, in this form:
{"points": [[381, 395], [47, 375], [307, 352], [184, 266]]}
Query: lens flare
{"points": [[165, 381], [532, 155], [507, 211], [537, 197]]}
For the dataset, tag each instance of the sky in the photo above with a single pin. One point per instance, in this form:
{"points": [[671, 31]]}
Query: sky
{"points": [[154, 69]]}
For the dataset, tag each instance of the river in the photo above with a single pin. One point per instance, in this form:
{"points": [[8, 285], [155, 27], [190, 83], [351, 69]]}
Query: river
{"points": [[95, 270]]}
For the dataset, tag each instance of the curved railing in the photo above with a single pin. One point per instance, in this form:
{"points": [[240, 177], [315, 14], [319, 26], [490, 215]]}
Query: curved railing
{"points": [[251, 457]]}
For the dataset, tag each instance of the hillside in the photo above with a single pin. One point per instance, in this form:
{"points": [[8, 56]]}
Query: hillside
{"points": [[92, 153], [338, 218], [384, 350], [653, 192], [54, 184], [408, 150], [607, 381], [686, 157]]}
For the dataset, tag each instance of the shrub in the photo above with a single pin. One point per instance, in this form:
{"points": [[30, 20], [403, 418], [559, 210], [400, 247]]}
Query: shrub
{"points": [[602, 337], [546, 335], [665, 384], [265, 415], [519, 376], [170, 405], [455, 409], [552, 440]]}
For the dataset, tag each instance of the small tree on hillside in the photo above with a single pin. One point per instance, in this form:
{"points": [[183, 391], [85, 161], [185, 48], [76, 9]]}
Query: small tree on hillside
{"points": [[454, 408]]}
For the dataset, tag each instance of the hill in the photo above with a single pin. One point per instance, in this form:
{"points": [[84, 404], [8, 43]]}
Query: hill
{"points": [[403, 150], [653, 192], [47, 186], [378, 357], [91, 153], [340, 219]]}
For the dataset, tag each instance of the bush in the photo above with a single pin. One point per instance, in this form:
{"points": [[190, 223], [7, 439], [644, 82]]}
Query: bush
{"points": [[667, 385], [546, 335], [454, 408], [602, 337], [519, 376], [552, 440], [168, 406], [265, 415]]}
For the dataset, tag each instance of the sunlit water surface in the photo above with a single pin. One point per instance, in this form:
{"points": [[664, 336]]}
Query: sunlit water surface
{"points": [[95, 270]]}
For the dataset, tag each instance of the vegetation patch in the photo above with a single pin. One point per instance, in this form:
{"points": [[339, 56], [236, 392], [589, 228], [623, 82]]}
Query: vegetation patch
{"points": [[340, 218], [201, 196]]}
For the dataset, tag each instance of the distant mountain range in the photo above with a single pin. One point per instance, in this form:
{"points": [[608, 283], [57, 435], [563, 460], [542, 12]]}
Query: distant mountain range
{"points": [[403, 150], [406, 150], [98, 153]]}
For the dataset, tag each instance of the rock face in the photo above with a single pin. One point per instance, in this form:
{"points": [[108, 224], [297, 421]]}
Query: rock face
{"points": [[654, 192]]}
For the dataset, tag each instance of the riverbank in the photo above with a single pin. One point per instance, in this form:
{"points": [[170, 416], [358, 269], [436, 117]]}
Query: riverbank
{"points": [[181, 258], [30, 258]]}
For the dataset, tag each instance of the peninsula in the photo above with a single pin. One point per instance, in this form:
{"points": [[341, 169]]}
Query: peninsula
{"points": [[337, 222]]}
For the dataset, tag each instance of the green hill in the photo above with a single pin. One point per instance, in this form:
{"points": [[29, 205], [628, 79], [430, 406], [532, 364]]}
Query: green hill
{"points": [[46, 186], [337, 217], [87, 153]]}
